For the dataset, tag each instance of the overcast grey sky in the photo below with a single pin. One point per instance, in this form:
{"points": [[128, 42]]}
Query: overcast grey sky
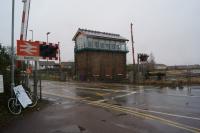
{"points": [[170, 29]]}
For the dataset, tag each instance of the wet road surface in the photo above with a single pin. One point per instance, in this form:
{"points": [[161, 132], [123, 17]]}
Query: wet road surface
{"points": [[114, 108]]}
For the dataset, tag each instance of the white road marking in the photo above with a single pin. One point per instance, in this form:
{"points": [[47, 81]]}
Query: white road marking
{"points": [[163, 113], [119, 96], [183, 95], [101, 89], [175, 115]]}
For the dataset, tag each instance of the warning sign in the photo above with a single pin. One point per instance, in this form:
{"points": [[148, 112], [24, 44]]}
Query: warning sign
{"points": [[22, 96]]}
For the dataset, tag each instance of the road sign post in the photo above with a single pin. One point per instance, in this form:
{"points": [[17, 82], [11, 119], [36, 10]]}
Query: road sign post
{"points": [[28, 50]]}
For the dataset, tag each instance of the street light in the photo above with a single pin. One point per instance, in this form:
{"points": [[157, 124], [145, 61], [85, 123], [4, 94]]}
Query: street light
{"points": [[59, 52], [47, 44], [27, 84], [48, 37], [35, 72], [31, 34]]}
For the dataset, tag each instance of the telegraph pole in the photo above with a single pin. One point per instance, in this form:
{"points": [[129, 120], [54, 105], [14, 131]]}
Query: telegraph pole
{"points": [[132, 42]]}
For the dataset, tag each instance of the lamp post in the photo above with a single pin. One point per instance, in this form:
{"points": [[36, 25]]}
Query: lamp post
{"points": [[48, 37], [35, 72], [47, 44], [28, 63], [31, 35], [59, 53], [133, 52], [12, 48]]}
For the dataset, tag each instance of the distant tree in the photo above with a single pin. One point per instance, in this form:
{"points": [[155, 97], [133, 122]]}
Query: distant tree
{"points": [[151, 59], [5, 65], [151, 62], [4, 59], [129, 67]]}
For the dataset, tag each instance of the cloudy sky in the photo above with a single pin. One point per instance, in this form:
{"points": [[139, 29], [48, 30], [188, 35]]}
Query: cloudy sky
{"points": [[170, 29]]}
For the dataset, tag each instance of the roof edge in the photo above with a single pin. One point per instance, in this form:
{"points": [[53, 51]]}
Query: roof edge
{"points": [[80, 30]]}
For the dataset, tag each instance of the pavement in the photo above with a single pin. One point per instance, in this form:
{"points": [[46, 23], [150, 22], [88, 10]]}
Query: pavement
{"points": [[112, 108]]}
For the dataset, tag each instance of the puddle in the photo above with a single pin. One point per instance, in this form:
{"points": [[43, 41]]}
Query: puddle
{"points": [[103, 120], [122, 114], [69, 129], [81, 128]]}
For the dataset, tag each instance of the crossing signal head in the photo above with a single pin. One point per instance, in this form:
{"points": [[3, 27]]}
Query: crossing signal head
{"points": [[48, 51]]}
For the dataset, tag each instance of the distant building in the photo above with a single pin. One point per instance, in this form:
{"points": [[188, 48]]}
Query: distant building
{"points": [[184, 67], [68, 68], [67, 65], [47, 64], [160, 67], [99, 55]]}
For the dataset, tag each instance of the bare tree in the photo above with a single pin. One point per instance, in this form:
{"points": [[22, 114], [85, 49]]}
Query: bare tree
{"points": [[151, 62]]}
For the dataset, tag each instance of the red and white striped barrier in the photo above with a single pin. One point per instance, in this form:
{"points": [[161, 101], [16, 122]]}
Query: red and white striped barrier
{"points": [[25, 17]]}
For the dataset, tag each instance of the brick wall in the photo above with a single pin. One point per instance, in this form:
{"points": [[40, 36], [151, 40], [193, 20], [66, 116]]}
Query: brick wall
{"points": [[100, 64]]}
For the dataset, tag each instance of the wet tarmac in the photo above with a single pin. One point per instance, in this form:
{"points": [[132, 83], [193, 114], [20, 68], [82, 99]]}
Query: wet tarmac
{"points": [[114, 108]]}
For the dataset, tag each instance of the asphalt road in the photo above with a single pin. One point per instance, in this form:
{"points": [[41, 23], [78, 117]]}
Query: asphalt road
{"points": [[112, 108]]}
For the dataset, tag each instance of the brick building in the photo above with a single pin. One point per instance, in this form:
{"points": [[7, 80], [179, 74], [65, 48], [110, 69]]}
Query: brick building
{"points": [[99, 55]]}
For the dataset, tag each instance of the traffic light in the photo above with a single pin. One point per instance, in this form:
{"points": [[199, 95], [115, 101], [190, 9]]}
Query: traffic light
{"points": [[49, 51], [143, 57]]}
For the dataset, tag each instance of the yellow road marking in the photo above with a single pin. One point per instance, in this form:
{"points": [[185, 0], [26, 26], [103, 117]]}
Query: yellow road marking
{"points": [[163, 113], [100, 94], [148, 116], [131, 112]]}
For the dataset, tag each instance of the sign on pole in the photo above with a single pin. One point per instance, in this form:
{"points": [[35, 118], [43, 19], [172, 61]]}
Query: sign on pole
{"points": [[1, 84], [28, 58], [27, 50], [22, 96]]}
